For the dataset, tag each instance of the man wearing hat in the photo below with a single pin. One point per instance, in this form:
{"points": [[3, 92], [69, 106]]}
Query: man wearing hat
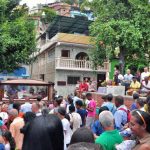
{"points": [[134, 86]]}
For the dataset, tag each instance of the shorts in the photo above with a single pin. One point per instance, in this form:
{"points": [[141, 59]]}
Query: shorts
{"points": [[89, 121]]}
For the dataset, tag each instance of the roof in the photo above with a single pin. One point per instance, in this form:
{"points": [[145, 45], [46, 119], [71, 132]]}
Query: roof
{"points": [[25, 82], [74, 38], [65, 38], [63, 24], [58, 4]]}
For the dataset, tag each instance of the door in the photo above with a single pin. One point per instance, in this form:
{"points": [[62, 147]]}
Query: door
{"points": [[100, 78]]}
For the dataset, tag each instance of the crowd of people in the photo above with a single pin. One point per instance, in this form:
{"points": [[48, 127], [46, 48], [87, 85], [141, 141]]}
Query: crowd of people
{"points": [[76, 123], [140, 82]]}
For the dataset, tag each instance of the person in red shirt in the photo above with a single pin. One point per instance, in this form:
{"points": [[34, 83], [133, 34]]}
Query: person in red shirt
{"points": [[83, 86]]}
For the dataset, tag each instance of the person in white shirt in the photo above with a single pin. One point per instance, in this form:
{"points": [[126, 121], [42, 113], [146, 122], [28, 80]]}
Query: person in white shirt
{"points": [[66, 126], [127, 79], [145, 90], [139, 104], [145, 74], [57, 102], [75, 118], [77, 85], [63, 103], [92, 86], [76, 97], [26, 107], [3, 113]]}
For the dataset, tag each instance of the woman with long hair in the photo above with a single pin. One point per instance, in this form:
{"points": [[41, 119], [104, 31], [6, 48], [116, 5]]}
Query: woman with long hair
{"points": [[9, 141]]}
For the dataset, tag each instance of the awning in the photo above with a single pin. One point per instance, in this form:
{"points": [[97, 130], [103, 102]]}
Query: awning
{"points": [[26, 82], [63, 24]]}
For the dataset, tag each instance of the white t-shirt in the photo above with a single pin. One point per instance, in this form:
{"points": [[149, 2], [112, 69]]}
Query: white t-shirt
{"points": [[54, 110], [142, 109], [144, 74], [67, 131], [76, 120], [63, 103], [146, 85], [7, 146], [75, 98], [4, 116]]}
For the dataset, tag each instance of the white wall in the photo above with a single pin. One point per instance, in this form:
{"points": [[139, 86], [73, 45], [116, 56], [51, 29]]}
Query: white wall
{"points": [[74, 50], [61, 75]]}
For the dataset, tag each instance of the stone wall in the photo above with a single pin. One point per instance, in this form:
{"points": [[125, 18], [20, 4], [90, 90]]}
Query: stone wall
{"points": [[128, 100], [61, 75]]}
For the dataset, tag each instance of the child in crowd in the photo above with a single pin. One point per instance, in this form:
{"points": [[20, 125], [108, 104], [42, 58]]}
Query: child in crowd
{"points": [[91, 108], [81, 111]]}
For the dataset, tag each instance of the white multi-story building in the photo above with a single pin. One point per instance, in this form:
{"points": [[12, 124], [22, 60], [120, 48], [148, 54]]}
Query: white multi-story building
{"points": [[64, 55], [64, 60]]}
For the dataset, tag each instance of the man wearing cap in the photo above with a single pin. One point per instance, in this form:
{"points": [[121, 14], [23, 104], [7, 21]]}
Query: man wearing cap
{"points": [[134, 86]]}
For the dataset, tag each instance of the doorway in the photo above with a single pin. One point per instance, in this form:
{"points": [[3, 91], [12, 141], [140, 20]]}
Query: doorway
{"points": [[100, 78]]}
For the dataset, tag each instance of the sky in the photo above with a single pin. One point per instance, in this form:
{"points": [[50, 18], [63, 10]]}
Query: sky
{"points": [[32, 3]]}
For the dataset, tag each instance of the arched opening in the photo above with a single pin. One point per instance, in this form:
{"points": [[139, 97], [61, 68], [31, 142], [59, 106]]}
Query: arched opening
{"points": [[82, 56]]}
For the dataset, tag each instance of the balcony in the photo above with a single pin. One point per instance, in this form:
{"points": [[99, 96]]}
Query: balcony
{"points": [[79, 65]]}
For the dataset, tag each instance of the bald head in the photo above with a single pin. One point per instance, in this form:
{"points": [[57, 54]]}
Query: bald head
{"points": [[35, 107], [128, 71], [13, 113]]}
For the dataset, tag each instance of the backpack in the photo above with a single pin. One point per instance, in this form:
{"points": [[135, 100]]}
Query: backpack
{"points": [[128, 113]]}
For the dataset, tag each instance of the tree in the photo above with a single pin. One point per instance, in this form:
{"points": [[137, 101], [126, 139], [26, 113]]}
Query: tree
{"points": [[123, 25], [17, 35], [50, 14], [72, 2]]}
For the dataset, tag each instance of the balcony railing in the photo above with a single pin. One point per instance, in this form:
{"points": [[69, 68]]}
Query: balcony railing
{"points": [[82, 65]]}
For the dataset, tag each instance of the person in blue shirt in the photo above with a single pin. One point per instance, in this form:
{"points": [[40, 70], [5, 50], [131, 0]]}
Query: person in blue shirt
{"points": [[121, 116], [81, 111], [135, 97], [2, 146], [127, 79], [111, 106], [96, 126]]}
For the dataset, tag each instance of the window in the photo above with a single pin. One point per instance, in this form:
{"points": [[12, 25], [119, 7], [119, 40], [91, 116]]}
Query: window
{"points": [[72, 80], [42, 77], [61, 83], [65, 53], [87, 78]]}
